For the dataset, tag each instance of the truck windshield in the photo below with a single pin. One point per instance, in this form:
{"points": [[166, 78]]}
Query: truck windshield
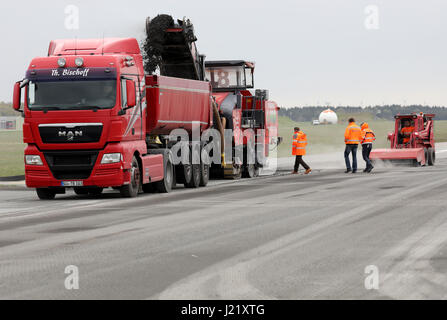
{"points": [[65, 95]]}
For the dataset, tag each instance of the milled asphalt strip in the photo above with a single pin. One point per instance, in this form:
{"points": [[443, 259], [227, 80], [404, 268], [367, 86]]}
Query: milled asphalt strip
{"points": [[158, 227], [150, 223], [412, 277], [231, 274], [79, 235], [6, 213]]}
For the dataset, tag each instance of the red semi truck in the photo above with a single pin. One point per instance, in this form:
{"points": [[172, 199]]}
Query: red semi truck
{"points": [[94, 120]]}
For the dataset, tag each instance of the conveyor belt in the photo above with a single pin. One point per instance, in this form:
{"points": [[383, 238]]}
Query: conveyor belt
{"points": [[171, 48]]}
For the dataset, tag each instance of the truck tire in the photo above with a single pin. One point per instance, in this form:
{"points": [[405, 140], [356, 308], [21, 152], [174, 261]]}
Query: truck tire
{"points": [[195, 179], [165, 185], [256, 171], [45, 193], [431, 156], [131, 190], [185, 173], [249, 171], [194, 182], [204, 174], [204, 169]]}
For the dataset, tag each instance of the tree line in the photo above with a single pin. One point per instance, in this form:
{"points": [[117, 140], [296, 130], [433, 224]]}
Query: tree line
{"points": [[386, 112]]}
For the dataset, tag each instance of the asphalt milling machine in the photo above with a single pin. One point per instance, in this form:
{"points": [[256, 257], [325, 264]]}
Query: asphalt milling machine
{"points": [[170, 48]]}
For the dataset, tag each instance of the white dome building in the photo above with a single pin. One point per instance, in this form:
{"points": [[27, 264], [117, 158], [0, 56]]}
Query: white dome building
{"points": [[328, 117]]}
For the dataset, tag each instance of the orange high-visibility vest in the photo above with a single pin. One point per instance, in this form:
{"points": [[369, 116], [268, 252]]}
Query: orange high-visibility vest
{"points": [[407, 130], [299, 143], [353, 134], [368, 135]]}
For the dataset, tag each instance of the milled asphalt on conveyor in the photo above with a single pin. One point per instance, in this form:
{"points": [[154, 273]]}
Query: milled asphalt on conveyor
{"points": [[286, 236]]}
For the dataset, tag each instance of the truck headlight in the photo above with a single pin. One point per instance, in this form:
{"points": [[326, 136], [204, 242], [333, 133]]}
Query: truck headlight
{"points": [[33, 160], [111, 158]]}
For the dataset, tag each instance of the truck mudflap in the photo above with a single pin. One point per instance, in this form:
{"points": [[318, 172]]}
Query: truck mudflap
{"points": [[399, 155]]}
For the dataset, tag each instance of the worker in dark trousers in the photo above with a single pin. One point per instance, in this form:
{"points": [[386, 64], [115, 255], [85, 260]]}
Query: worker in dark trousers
{"points": [[368, 137], [299, 150], [353, 136]]}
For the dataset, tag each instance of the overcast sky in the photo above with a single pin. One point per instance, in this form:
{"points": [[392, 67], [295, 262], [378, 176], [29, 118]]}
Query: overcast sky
{"points": [[307, 52]]}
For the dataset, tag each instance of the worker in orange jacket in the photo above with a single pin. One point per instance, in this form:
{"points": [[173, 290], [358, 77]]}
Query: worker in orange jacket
{"points": [[353, 136], [299, 150], [368, 137], [407, 131]]}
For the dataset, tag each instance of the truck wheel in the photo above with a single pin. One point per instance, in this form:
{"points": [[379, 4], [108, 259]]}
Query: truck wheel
{"points": [[195, 179], [256, 171], [165, 185], [431, 156], [249, 171], [194, 182], [204, 169], [186, 173], [204, 174], [131, 190], [45, 193]]}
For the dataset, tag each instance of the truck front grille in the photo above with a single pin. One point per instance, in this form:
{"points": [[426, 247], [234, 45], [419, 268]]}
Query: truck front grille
{"points": [[53, 133], [72, 164]]}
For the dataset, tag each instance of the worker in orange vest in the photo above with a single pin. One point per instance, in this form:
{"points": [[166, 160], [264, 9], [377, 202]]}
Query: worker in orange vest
{"points": [[368, 137], [299, 150], [353, 136], [407, 131]]}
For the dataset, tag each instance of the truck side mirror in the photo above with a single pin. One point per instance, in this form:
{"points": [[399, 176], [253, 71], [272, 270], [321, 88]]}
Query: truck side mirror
{"points": [[131, 96], [17, 96]]}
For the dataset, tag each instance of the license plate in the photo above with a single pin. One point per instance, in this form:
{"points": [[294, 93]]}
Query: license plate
{"points": [[72, 183]]}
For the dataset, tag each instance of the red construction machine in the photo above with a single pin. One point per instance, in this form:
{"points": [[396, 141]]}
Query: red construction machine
{"points": [[412, 141], [252, 118]]}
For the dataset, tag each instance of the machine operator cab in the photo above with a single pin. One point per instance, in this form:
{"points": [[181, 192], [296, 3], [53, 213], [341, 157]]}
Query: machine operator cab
{"points": [[231, 81], [406, 129], [412, 127], [230, 75]]}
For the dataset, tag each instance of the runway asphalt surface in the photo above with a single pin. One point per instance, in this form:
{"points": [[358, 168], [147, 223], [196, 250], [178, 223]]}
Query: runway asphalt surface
{"points": [[279, 237]]}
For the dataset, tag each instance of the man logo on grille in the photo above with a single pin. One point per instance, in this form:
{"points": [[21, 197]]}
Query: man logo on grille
{"points": [[70, 135]]}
